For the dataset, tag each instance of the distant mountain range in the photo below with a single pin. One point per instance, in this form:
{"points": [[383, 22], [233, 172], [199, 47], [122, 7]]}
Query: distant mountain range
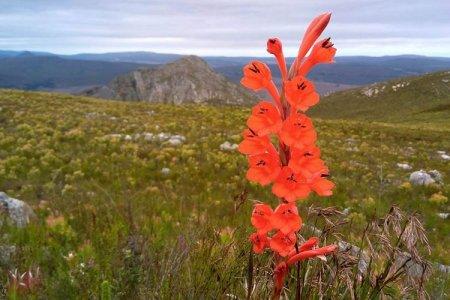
{"points": [[48, 71], [33, 72]]}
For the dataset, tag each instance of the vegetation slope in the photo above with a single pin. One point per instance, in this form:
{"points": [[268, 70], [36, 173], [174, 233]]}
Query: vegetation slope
{"points": [[157, 220], [415, 101]]}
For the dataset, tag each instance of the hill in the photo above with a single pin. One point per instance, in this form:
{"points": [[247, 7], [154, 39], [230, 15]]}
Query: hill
{"points": [[117, 200], [421, 101], [33, 71], [188, 79]]}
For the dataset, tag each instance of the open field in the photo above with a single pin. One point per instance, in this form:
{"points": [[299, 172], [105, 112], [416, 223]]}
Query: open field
{"points": [[159, 219]]}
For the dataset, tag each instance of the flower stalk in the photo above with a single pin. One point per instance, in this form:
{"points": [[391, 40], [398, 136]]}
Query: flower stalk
{"points": [[294, 168]]}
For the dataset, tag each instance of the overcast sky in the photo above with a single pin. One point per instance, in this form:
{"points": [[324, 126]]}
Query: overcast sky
{"points": [[223, 27]]}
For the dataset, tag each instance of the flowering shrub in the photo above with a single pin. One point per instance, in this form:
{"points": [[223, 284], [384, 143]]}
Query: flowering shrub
{"points": [[294, 167]]}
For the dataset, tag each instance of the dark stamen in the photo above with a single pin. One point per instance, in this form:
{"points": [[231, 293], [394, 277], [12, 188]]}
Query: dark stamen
{"points": [[261, 163], [291, 178], [301, 86], [263, 110], [255, 70], [300, 125], [325, 43]]}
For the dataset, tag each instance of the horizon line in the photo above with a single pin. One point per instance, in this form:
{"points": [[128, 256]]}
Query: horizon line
{"points": [[187, 54]]}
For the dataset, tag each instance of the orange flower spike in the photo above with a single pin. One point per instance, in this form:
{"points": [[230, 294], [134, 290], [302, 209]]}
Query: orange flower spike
{"points": [[254, 144], [312, 33], [265, 119], [306, 161], [290, 186], [257, 76], [263, 168], [323, 52], [300, 93], [275, 47], [259, 241], [321, 185], [298, 131], [311, 253], [286, 218], [283, 243], [261, 218]]}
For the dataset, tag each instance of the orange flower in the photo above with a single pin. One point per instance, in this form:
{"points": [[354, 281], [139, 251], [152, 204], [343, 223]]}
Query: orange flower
{"points": [[306, 161], [314, 30], [259, 241], [283, 243], [321, 185], [298, 131], [300, 93], [257, 76], [286, 218], [275, 47], [290, 186], [254, 144], [265, 119], [302, 255], [322, 53], [263, 168], [261, 218]]}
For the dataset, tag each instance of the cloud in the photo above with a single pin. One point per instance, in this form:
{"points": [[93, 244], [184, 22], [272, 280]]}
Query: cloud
{"points": [[220, 27]]}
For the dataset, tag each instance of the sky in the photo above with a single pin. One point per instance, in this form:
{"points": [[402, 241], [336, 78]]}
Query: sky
{"points": [[223, 27]]}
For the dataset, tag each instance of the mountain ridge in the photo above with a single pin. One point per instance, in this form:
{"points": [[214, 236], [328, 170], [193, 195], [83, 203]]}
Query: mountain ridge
{"points": [[188, 79]]}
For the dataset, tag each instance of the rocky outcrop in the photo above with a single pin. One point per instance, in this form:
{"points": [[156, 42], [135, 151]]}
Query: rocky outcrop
{"points": [[18, 212], [425, 178], [187, 80]]}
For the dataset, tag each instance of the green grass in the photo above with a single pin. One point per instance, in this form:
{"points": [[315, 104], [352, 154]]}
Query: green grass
{"points": [[424, 102], [107, 213]]}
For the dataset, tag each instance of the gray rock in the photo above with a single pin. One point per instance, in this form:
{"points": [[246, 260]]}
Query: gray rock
{"points": [[165, 171], [18, 211], [445, 156], [436, 175], [404, 166], [148, 137], [442, 268], [163, 136], [420, 178], [176, 140], [443, 215], [412, 268], [6, 252], [364, 259], [227, 146]]}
